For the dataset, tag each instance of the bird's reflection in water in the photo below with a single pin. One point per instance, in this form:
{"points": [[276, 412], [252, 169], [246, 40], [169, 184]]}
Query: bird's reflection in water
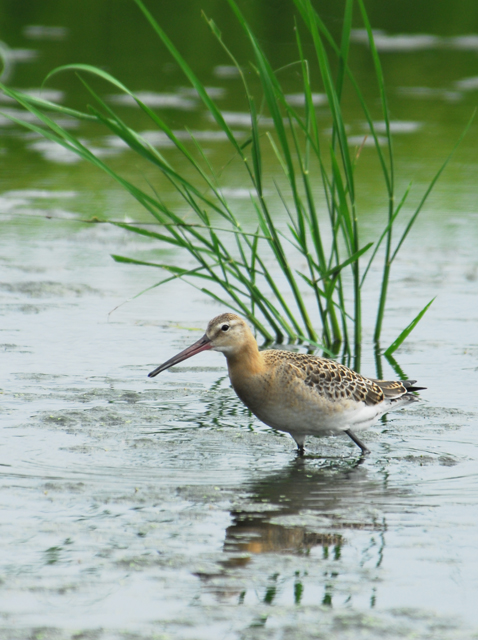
{"points": [[330, 518], [330, 501]]}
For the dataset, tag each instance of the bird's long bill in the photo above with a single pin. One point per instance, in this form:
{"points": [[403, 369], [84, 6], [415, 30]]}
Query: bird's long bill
{"points": [[201, 345]]}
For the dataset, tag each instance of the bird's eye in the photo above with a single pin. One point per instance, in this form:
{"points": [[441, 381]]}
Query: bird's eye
{"points": [[224, 327]]}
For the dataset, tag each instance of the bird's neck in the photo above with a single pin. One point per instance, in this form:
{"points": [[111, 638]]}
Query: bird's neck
{"points": [[245, 362]]}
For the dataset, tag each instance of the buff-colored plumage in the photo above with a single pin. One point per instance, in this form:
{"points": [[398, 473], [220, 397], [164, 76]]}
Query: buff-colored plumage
{"points": [[300, 394]]}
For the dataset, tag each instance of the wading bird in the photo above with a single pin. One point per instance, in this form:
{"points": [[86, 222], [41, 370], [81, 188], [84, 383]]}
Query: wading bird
{"points": [[303, 395]]}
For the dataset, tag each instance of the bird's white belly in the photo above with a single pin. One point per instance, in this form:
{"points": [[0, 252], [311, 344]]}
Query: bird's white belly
{"points": [[315, 420]]}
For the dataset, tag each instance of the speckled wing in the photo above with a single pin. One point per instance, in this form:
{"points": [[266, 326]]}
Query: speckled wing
{"points": [[396, 389], [391, 388], [335, 381]]}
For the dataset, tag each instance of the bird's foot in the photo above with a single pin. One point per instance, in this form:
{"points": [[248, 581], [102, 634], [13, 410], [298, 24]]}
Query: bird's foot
{"points": [[358, 442]]}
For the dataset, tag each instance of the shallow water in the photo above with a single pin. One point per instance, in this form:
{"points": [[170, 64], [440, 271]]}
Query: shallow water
{"points": [[132, 507], [141, 508]]}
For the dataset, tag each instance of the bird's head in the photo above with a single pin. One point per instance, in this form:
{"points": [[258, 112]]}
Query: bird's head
{"points": [[227, 333]]}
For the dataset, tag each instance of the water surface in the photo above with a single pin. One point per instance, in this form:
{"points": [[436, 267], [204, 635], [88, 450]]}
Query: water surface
{"points": [[143, 508]]}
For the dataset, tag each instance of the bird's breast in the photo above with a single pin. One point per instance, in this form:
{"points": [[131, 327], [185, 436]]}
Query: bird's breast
{"points": [[255, 390]]}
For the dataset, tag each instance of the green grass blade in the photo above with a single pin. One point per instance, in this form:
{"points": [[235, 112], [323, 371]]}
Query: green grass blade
{"points": [[167, 267], [384, 232], [39, 103], [381, 86], [430, 187], [215, 112], [353, 258], [345, 45], [311, 19], [406, 332]]}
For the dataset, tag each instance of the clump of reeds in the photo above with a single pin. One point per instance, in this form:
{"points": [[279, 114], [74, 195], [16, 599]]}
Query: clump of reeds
{"points": [[240, 269]]}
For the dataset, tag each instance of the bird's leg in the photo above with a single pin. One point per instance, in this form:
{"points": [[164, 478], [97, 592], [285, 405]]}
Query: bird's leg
{"points": [[357, 441], [299, 441]]}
